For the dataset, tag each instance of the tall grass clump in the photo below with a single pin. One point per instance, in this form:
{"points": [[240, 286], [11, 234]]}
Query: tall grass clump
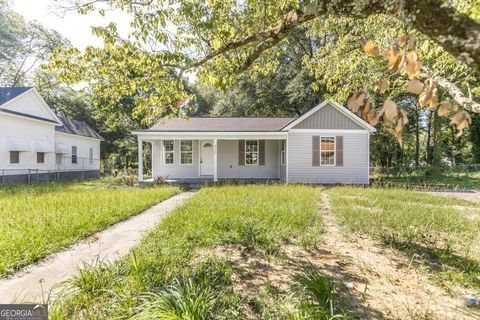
{"points": [[43, 218], [312, 296]]}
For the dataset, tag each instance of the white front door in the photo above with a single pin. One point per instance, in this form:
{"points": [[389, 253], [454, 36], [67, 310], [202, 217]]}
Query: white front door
{"points": [[206, 157]]}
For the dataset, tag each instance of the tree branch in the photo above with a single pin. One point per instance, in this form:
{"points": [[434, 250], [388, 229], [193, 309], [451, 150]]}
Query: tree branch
{"points": [[454, 31], [457, 94], [267, 38]]}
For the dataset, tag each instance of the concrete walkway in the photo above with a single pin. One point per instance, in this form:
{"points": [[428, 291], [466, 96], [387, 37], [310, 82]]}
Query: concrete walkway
{"points": [[34, 283]]}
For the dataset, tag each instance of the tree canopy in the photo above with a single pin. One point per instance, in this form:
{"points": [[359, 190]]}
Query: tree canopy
{"points": [[219, 40]]}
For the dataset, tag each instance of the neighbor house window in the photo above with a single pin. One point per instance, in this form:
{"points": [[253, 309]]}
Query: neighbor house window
{"points": [[168, 152], [14, 157], [40, 157], [74, 154], [327, 151], [282, 153], [90, 155], [186, 152], [251, 152]]}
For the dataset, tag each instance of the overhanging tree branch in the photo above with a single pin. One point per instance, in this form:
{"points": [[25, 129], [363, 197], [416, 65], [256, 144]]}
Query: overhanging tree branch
{"points": [[457, 94], [454, 31]]}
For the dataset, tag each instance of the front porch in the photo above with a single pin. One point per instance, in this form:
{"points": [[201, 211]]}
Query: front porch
{"points": [[201, 158]]}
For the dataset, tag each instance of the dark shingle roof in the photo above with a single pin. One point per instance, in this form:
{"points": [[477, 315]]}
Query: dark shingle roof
{"points": [[222, 124], [77, 127], [8, 93]]}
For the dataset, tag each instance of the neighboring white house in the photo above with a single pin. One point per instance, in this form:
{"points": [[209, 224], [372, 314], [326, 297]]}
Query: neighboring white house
{"points": [[36, 144], [328, 144]]}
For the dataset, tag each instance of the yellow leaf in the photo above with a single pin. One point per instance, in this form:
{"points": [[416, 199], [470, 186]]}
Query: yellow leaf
{"points": [[366, 108], [461, 120], [396, 63], [383, 85], [389, 111], [371, 49], [445, 108], [356, 101], [372, 117], [412, 65], [429, 95], [415, 86]]}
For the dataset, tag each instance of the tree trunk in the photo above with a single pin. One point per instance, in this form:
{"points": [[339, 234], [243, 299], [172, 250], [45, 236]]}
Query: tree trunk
{"points": [[436, 152], [428, 153], [417, 137]]}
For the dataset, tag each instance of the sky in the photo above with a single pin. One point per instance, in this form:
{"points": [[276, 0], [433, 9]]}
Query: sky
{"points": [[74, 27]]}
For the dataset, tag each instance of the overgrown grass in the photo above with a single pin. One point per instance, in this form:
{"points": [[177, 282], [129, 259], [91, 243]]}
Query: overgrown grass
{"points": [[40, 219], [442, 231], [312, 296], [452, 178], [168, 275]]}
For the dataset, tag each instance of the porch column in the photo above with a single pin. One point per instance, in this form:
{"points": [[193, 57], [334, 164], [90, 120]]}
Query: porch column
{"points": [[215, 160], [140, 159], [286, 160]]}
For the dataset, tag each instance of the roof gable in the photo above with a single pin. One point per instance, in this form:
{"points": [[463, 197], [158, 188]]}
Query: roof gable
{"points": [[221, 124], [330, 115], [27, 102], [7, 94]]}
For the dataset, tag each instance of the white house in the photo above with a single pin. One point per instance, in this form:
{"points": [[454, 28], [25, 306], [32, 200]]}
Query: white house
{"points": [[36, 144], [328, 144]]}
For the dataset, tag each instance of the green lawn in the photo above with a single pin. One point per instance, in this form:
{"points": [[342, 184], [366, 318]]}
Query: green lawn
{"points": [[170, 275], [40, 219], [443, 231], [178, 270]]}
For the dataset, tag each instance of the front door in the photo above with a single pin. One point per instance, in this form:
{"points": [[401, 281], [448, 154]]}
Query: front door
{"points": [[206, 158]]}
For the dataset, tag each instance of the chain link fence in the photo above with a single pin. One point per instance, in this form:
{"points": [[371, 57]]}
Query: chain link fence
{"points": [[63, 168]]}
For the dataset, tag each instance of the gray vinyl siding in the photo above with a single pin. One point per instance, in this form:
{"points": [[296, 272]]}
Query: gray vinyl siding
{"points": [[227, 162], [176, 170], [328, 118], [355, 159], [228, 167]]}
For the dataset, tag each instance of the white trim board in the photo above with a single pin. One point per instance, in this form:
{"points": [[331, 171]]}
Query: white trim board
{"points": [[337, 106], [39, 98], [328, 131], [212, 135]]}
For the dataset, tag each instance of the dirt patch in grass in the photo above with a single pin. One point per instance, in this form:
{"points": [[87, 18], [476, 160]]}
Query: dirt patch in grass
{"points": [[384, 279], [373, 280]]}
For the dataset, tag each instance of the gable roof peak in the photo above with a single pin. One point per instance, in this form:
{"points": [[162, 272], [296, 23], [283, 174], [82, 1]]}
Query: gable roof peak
{"points": [[337, 106], [9, 93]]}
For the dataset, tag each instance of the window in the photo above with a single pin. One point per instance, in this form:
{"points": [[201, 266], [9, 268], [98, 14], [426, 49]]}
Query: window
{"points": [[327, 151], [90, 155], [40, 157], [282, 154], [186, 152], [14, 157], [168, 151], [251, 152], [74, 154]]}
